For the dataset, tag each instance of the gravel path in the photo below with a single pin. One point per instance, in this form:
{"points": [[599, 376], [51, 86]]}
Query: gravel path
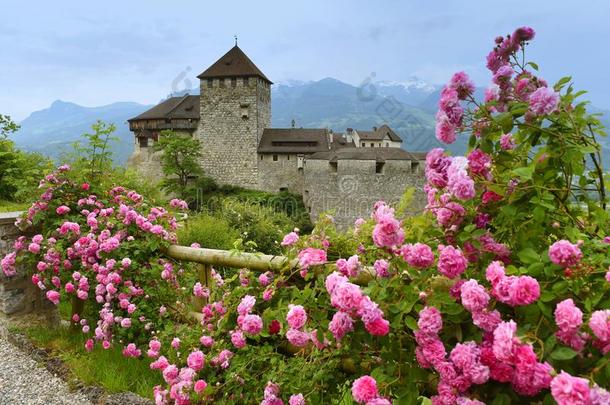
{"points": [[23, 381]]}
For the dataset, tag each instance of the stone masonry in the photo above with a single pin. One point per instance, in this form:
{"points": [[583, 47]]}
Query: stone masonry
{"points": [[18, 296], [233, 116], [350, 189]]}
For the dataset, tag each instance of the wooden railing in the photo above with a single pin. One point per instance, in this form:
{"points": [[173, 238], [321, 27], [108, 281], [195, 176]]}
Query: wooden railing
{"points": [[238, 260]]}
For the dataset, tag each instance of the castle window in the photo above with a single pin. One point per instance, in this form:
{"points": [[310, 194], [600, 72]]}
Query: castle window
{"points": [[233, 82], [143, 142], [387, 144], [333, 167], [210, 82], [275, 158], [379, 167], [372, 145], [363, 144], [261, 157], [414, 167], [287, 157]]}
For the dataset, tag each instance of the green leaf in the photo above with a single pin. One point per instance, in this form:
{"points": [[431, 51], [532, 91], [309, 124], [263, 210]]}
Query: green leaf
{"points": [[533, 65], [411, 322], [528, 256], [563, 353], [424, 400], [525, 173]]}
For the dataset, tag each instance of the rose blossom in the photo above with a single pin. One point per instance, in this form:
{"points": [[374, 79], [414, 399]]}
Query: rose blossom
{"points": [[364, 389]]}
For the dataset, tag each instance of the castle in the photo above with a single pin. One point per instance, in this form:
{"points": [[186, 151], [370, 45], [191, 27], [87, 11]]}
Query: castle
{"points": [[345, 173]]}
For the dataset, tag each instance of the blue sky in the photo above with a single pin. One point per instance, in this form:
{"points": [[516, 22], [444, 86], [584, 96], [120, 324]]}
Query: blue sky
{"points": [[96, 53]]}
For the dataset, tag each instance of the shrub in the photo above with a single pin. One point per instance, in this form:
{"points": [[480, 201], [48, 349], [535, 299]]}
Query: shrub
{"points": [[208, 231]]}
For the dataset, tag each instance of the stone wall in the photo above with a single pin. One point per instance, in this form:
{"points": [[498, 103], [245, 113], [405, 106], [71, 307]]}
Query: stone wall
{"points": [[284, 173], [148, 163], [350, 188], [234, 113], [18, 296]]}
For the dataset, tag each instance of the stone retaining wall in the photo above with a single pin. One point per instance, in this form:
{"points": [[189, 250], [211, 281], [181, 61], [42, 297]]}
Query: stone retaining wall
{"points": [[18, 296]]}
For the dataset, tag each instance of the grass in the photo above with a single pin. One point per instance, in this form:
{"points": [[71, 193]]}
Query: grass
{"points": [[9, 206], [104, 368]]}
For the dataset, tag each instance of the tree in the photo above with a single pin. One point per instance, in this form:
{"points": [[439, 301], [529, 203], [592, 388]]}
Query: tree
{"points": [[93, 160], [19, 170], [179, 159], [7, 126]]}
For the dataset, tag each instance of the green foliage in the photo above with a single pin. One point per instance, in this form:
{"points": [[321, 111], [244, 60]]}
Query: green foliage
{"points": [[7, 126], [92, 160], [19, 171], [108, 369], [209, 231], [180, 156]]}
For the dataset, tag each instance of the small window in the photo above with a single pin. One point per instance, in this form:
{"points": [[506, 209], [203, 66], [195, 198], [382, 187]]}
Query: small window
{"points": [[261, 157], [379, 167], [210, 82], [233, 81], [387, 144], [414, 167], [143, 142], [275, 158], [245, 81], [333, 167], [372, 145], [287, 157], [363, 144], [283, 189]]}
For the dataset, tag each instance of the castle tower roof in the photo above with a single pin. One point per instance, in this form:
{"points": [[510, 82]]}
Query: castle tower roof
{"points": [[234, 63]]}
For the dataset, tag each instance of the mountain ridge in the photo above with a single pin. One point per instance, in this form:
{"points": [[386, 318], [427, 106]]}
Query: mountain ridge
{"points": [[408, 107]]}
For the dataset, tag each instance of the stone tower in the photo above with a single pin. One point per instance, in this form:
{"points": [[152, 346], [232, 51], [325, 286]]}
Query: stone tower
{"points": [[235, 109]]}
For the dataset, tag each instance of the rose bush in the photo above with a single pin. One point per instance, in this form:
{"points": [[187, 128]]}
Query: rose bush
{"points": [[498, 293], [102, 251]]}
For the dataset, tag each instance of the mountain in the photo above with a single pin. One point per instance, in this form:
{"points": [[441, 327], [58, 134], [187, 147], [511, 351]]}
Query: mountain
{"points": [[52, 131], [408, 107], [330, 103]]}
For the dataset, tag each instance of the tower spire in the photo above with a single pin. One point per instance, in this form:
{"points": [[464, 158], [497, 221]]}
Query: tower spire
{"points": [[235, 36]]}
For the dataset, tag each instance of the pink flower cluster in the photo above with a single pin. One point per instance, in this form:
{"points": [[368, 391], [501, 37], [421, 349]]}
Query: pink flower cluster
{"points": [[179, 204], [599, 323], [271, 396], [451, 261], [181, 381], [350, 267], [247, 322], [570, 390], [450, 115], [568, 318], [290, 239], [352, 303], [510, 360], [417, 255], [388, 231], [296, 318], [364, 391], [511, 290], [458, 373], [311, 257], [565, 253], [543, 101], [475, 299]]}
